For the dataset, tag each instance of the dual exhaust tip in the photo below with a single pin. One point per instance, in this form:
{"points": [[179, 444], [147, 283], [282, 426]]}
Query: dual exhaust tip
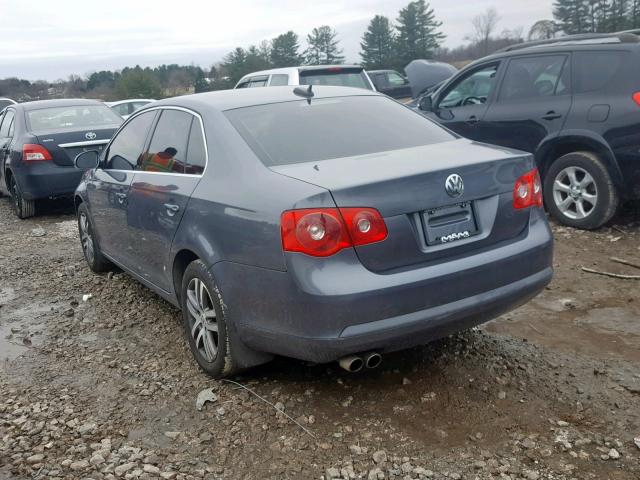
{"points": [[355, 363]]}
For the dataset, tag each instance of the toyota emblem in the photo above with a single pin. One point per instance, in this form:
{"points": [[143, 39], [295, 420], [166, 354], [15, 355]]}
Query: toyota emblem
{"points": [[453, 185], [90, 135]]}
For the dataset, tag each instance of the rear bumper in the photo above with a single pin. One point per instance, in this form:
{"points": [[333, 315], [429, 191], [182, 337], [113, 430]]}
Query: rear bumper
{"points": [[321, 311], [47, 180]]}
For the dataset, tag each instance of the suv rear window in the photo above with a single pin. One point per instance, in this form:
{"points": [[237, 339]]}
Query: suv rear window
{"points": [[80, 116], [339, 77], [595, 70], [298, 132]]}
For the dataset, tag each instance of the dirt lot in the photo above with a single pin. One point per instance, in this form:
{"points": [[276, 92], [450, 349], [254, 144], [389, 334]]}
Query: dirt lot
{"points": [[106, 388]]}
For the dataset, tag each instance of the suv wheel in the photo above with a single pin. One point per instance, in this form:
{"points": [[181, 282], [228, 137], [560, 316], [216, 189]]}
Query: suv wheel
{"points": [[204, 322], [578, 191], [22, 207], [90, 248]]}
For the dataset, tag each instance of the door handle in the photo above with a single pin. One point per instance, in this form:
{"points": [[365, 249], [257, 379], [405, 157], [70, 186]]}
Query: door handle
{"points": [[172, 209], [551, 115], [472, 119]]}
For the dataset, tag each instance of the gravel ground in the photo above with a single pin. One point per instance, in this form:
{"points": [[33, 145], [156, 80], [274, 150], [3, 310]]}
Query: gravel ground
{"points": [[105, 387]]}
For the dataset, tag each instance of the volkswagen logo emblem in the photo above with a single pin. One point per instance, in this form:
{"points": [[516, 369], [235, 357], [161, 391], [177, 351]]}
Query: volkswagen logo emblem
{"points": [[90, 135], [453, 185]]}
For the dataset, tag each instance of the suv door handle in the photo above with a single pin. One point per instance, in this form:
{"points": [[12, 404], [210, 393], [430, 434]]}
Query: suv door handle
{"points": [[551, 115], [172, 209], [472, 119]]}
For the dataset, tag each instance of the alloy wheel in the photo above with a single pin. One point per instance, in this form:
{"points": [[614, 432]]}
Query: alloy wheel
{"points": [[575, 193], [202, 319], [85, 238]]}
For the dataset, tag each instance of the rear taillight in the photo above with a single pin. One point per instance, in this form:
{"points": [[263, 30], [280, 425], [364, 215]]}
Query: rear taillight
{"points": [[35, 153], [636, 98], [527, 192], [321, 232]]}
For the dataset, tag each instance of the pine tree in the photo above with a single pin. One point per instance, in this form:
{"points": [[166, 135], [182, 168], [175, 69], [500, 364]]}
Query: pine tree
{"points": [[234, 64], [418, 35], [284, 50], [576, 16], [323, 47], [378, 44]]}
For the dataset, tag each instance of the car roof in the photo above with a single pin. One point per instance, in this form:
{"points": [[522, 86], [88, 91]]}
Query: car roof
{"points": [[572, 43], [222, 100], [130, 100], [300, 68], [66, 102]]}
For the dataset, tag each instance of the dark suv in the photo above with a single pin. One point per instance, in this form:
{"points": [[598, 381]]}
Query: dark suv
{"points": [[574, 102]]}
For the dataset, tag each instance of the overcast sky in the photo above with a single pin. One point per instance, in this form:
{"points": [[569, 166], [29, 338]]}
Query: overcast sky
{"points": [[45, 39]]}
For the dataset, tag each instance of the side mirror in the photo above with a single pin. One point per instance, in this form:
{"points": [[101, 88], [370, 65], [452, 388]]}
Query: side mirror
{"points": [[87, 160], [426, 104]]}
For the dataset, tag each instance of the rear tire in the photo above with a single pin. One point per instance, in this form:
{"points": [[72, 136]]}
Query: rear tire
{"points": [[204, 322], [90, 248], [579, 192], [22, 207]]}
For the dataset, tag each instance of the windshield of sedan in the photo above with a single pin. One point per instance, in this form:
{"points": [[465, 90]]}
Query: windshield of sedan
{"points": [[81, 116], [326, 128]]}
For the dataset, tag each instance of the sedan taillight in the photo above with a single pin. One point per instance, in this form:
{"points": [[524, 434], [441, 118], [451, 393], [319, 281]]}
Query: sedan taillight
{"points": [[322, 232], [35, 153], [527, 192]]}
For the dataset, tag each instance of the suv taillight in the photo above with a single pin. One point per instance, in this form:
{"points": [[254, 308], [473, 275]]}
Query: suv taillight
{"points": [[527, 192], [636, 98], [35, 153], [322, 232]]}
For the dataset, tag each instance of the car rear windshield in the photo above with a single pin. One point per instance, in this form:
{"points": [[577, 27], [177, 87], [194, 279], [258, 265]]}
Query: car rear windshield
{"points": [[80, 116], [339, 77], [297, 132]]}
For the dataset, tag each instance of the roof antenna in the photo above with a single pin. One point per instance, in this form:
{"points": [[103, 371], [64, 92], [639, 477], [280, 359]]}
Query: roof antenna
{"points": [[306, 93]]}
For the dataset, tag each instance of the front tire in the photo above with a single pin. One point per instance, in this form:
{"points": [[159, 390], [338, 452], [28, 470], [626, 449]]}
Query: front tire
{"points": [[22, 207], [90, 248], [579, 192], [204, 322]]}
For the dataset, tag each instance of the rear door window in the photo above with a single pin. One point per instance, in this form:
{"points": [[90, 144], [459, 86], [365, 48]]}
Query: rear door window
{"points": [[301, 131], [196, 151], [167, 151], [126, 148], [279, 79], [7, 123], [532, 77], [594, 71]]}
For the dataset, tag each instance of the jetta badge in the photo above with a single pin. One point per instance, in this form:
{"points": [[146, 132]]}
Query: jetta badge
{"points": [[90, 135], [453, 185]]}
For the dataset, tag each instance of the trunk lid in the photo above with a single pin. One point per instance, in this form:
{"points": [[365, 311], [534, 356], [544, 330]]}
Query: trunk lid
{"points": [[408, 188], [65, 144]]}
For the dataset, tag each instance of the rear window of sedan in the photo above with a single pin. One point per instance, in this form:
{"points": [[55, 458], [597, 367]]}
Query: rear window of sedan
{"points": [[337, 77], [326, 128], [81, 116]]}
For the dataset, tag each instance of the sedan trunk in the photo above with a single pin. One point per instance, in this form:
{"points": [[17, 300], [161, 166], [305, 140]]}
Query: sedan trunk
{"points": [[64, 145], [407, 186]]}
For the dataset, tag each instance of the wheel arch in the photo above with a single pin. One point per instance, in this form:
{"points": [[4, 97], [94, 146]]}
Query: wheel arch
{"points": [[556, 147], [181, 261]]}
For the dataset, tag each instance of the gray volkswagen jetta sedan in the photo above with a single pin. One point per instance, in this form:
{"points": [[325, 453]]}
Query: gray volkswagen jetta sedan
{"points": [[325, 224]]}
